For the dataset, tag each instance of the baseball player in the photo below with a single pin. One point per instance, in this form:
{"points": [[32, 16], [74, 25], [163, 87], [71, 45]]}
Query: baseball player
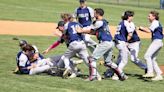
{"points": [[127, 30], [133, 47], [63, 38], [84, 15], [37, 55], [101, 30], [123, 34], [127, 40], [76, 44], [27, 64], [155, 46]]}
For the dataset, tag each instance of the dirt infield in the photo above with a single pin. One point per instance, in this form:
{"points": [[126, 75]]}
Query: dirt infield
{"points": [[39, 28], [162, 68]]}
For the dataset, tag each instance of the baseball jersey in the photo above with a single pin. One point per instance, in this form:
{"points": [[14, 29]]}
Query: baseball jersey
{"points": [[23, 62], [102, 31], [123, 29], [156, 29], [84, 15], [134, 37], [70, 31]]}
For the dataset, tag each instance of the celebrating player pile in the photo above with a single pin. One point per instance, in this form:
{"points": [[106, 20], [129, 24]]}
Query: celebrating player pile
{"points": [[76, 35]]}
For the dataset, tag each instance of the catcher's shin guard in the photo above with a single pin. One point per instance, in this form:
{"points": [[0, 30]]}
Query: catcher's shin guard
{"points": [[92, 69], [119, 73]]}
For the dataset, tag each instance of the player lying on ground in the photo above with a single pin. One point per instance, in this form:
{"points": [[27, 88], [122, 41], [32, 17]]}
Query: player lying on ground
{"points": [[27, 63], [37, 55]]}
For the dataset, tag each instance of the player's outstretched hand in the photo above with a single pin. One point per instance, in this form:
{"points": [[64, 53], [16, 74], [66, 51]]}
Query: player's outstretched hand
{"points": [[46, 51], [141, 28]]}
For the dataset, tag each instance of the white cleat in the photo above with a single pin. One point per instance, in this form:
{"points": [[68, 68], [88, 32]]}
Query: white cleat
{"points": [[99, 78], [115, 77], [148, 75], [73, 75], [157, 78]]}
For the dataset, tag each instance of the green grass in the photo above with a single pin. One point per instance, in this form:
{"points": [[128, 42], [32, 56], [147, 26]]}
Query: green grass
{"points": [[10, 82], [137, 3], [50, 10]]}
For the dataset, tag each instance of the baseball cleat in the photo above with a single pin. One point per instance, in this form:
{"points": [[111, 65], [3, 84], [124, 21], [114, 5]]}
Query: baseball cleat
{"points": [[115, 77], [123, 77], [66, 72], [157, 78], [99, 78], [73, 75], [148, 75], [94, 79]]}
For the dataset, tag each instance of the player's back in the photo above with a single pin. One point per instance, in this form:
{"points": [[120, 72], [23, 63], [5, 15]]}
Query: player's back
{"points": [[72, 33]]}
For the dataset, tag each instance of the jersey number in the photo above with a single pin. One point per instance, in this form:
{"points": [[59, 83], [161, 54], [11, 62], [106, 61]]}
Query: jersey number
{"points": [[73, 27]]}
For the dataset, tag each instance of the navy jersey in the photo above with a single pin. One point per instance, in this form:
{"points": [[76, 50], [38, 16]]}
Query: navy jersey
{"points": [[70, 31], [102, 31], [121, 33], [23, 62], [84, 16], [156, 29], [134, 37], [123, 29]]}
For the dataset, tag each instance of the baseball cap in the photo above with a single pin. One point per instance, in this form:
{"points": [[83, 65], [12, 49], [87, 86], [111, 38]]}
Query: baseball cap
{"points": [[60, 23], [22, 42], [82, 0]]}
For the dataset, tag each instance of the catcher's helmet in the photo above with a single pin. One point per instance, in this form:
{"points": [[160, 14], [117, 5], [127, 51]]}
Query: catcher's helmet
{"points": [[22, 42]]}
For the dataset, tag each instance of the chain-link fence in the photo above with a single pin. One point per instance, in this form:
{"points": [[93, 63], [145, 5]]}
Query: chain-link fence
{"points": [[137, 3]]}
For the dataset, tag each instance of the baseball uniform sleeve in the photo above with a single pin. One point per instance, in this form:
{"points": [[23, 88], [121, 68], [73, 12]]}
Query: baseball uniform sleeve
{"points": [[22, 60], [154, 25], [91, 11], [75, 14], [97, 25]]}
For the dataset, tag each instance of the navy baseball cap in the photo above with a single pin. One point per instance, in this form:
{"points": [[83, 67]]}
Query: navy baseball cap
{"points": [[82, 1], [60, 23]]}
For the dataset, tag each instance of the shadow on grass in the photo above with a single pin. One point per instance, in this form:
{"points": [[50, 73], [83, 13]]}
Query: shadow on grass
{"points": [[139, 76]]}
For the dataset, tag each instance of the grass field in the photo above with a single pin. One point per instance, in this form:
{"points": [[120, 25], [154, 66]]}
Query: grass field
{"points": [[136, 3], [10, 82], [49, 11]]}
